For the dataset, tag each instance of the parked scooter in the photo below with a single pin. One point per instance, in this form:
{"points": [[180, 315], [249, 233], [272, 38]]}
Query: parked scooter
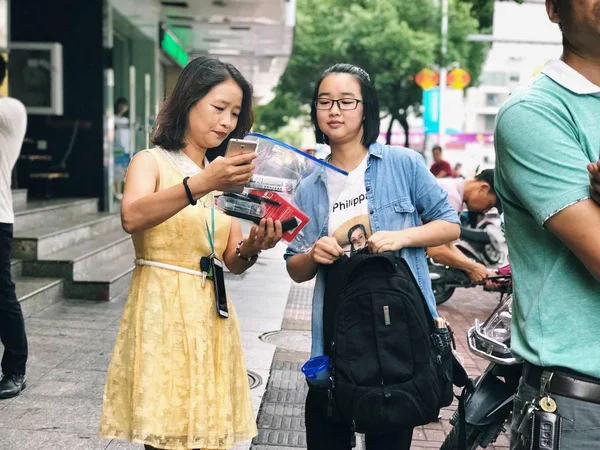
{"points": [[483, 243], [482, 234], [488, 403]]}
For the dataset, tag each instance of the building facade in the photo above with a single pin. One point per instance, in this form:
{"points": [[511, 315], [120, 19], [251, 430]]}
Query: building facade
{"points": [[112, 64]]}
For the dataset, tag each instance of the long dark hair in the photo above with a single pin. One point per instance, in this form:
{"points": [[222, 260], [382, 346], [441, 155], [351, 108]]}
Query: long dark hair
{"points": [[371, 122], [195, 81]]}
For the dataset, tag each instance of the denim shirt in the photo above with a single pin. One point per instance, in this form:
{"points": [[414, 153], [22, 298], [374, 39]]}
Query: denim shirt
{"points": [[401, 193]]}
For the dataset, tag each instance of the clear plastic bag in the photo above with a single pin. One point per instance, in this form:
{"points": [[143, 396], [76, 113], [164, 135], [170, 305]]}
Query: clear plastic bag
{"points": [[237, 205], [318, 209], [254, 205], [282, 168]]}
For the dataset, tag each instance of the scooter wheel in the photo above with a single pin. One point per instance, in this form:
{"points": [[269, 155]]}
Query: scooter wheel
{"points": [[491, 254], [442, 293]]}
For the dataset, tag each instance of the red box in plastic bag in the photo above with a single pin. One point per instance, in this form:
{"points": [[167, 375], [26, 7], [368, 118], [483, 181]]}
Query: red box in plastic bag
{"points": [[284, 211]]}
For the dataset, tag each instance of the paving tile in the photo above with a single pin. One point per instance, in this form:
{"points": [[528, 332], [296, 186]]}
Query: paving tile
{"points": [[87, 360], [61, 382], [58, 414], [19, 439]]}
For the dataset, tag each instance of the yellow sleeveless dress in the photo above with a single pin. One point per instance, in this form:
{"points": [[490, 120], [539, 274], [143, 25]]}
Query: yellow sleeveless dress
{"points": [[177, 378]]}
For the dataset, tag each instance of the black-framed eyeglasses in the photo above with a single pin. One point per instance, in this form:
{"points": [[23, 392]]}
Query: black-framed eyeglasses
{"points": [[345, 104]]}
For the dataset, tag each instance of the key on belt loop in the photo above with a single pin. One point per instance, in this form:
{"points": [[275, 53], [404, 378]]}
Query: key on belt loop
{"points": [[545, 382]]}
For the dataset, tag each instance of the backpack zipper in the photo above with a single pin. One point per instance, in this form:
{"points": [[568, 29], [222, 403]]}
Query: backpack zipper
{"points": [[386, 393], [332, 380], [332, 364]]}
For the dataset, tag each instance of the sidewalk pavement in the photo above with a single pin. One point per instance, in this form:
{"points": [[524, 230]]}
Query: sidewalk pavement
{"points": [[71, 344]]}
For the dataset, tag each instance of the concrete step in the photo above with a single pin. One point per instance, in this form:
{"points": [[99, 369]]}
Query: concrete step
{"points": [[19, 197], [104, 282], [16, 268], [84, 257], [44, 239], [49, 212], [36, 294]]}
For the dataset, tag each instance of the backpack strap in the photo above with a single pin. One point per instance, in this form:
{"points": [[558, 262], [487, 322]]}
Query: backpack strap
{"points": [[404, 263]]}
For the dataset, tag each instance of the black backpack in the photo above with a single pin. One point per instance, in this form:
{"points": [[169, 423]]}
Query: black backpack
{"points": [[391, 369]]}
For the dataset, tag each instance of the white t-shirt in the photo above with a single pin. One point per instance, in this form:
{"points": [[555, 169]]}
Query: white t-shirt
{"points": [[122, 134], [455, 188], [13, 123], [348, 210]]}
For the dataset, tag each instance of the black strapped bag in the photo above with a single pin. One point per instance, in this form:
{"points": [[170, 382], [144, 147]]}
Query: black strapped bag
{"points": [[391, 368]]}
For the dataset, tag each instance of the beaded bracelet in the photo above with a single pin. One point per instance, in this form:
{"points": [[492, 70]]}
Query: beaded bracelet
{"points": [[247, 259]]}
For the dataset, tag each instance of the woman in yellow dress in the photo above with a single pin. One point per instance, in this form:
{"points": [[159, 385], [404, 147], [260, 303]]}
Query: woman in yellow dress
{"points": [[177, 378]]}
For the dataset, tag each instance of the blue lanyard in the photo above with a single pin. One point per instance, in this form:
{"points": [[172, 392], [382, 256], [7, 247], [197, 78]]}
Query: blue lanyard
{"points": [[211, 235]]}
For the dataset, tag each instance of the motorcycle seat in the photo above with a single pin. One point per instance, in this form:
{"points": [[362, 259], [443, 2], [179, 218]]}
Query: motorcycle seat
{"points": [[479, 236]]}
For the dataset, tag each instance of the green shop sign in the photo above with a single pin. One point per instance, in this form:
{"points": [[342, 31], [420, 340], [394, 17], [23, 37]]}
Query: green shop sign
{"points": [[172, 47]]}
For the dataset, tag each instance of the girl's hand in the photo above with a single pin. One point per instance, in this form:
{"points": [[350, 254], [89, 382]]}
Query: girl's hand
{"points": [[326, 250], [386, 241]]}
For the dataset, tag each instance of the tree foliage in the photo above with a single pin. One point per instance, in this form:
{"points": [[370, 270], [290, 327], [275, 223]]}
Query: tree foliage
{"points": [[391, 39], [483, 11]]}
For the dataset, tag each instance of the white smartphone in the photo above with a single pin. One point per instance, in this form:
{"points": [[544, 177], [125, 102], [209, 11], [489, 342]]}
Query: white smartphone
{"points": [[239, 146]]}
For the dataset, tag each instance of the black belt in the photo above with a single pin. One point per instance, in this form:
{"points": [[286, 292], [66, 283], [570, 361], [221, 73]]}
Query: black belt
{"points": [[564, 382]]}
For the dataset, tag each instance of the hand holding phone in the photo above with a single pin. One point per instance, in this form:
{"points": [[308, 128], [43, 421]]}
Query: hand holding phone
{"points": [[237, 147], [227, 174]]}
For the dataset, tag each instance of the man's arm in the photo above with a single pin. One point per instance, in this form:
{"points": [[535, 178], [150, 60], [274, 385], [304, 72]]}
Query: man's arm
{"points": [[450, 255], [578, 226]]}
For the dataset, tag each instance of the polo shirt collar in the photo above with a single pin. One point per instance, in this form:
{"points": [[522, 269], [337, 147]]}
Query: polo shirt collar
{"points": [[569, 78]]}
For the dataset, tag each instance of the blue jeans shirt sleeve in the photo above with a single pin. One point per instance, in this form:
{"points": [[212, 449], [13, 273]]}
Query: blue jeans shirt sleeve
{"points": [[431, 200]]}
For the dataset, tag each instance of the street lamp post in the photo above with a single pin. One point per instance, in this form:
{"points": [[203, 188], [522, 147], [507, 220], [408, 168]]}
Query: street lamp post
{"points": [[443, 73]]}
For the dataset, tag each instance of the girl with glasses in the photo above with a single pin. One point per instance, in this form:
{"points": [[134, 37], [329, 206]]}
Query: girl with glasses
{"points": [[389, 195]]}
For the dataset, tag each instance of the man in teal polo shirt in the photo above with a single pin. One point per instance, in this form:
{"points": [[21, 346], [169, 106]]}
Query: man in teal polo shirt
{"points": [[547, 134]]}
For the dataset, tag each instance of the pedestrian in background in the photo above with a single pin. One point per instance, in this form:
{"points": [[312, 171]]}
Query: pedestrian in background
{"points": [[458, 171], [345, 115], [480, 196], [440, 168], [13, 123], [546, 135], [177, 378], [122, 145]]}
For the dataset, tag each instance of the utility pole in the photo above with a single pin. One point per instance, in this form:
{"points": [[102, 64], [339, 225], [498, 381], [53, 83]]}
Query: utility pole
{"points": [[443, 73]]}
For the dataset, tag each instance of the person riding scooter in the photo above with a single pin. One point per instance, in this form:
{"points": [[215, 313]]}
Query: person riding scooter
{"points": [[479, 195]]}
